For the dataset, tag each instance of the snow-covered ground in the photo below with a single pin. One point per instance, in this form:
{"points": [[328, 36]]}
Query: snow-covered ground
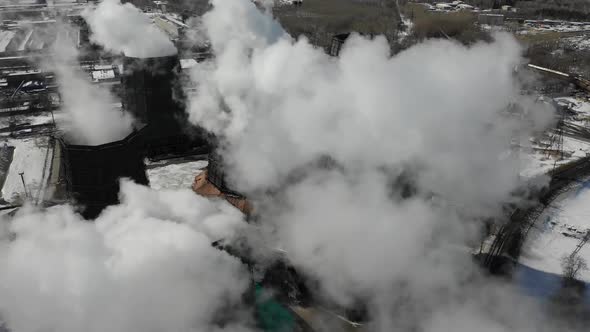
{"points": [[175, 176], [556, 26], [580, 105], [562, 225], [558, 231], [578, 42], [409, 27], [538, 162], [29, 158], [541, 157], [37, 119]]}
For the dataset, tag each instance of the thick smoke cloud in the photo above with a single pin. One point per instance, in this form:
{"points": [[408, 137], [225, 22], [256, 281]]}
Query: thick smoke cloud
{"points": [[144, 265], [90, 117], [123, 28], [352, 108], [422, 144]]}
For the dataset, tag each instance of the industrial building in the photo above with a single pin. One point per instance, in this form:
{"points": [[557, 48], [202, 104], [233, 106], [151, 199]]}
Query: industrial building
{"points": [[337, 43], [92, 173], [213, 183], [88, 176]]}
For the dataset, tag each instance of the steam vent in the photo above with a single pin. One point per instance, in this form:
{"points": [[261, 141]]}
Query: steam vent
{"points": [[93, 172], [152, 95]]}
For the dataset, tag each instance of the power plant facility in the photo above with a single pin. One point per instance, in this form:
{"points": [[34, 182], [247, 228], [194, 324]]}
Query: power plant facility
{"points": [[92, 172], [146, 89], [294, 165]]}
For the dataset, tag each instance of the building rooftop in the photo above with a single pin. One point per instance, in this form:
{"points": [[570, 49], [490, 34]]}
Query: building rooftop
{"points": [[103, 74]]}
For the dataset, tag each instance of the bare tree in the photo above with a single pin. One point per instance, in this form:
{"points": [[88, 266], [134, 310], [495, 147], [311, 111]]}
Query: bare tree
{"points": [[572, 265]]}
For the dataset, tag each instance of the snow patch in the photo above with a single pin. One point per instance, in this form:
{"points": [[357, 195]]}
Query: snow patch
{"points": [[29, 158], [175, 176], [559, 229]]}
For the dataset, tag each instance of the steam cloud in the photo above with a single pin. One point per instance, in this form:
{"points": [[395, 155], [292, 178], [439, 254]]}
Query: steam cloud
{"points": [[433, 117], [439, 117], [90, 117], [124, 28], [144, 265]]}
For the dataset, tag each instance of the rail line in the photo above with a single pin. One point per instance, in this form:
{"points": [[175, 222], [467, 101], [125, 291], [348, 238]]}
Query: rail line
{"points": [[523, 219]]}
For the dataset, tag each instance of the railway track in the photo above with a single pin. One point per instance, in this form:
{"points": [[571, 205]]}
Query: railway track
{"points": [[28, 130], [523, 219], [25, 127]]}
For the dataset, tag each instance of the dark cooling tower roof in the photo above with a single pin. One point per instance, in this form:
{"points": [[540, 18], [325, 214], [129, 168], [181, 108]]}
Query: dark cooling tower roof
{"points": [[93, 172]]}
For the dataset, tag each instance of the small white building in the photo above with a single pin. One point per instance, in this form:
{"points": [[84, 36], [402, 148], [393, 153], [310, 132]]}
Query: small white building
{"points": [[161, 5], [444, 6], [464, 6]]}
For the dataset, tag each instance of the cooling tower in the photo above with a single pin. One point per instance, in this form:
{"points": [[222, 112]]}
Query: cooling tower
{"points": [[151, 93], [93, 172]]}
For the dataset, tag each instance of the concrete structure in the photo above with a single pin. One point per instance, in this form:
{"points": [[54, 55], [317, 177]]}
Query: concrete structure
{"points": [[204, 187], [161, 5], [167, 26], [212, 183], [93, 173], [337, 43], [151, 95]]}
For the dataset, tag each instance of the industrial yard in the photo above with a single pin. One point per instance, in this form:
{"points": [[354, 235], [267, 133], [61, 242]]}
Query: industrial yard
{"points": [[282, 166]]}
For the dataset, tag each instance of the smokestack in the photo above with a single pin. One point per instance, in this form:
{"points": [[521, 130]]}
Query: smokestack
{"points": [[93, 172], [151, 94]]}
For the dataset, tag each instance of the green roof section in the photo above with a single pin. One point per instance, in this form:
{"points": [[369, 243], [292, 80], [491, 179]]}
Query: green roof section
{"points": [[272, 316]]}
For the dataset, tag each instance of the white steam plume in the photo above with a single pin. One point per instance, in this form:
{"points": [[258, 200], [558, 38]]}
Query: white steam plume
{"points": [[436, 115], [146, 265], [362, 108], [90, 118], [124, 28]]}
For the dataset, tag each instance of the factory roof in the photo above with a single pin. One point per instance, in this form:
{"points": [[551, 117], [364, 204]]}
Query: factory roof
{"points": [[175, 21], [102, 67], [36, 22], [187, 63], [207, 189], [103, 74], [5, 38]]}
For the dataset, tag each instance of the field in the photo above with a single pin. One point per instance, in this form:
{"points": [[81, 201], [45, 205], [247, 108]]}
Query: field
{"points": [[575, 10], [319, 20], [457, 25], [578, 10]]}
